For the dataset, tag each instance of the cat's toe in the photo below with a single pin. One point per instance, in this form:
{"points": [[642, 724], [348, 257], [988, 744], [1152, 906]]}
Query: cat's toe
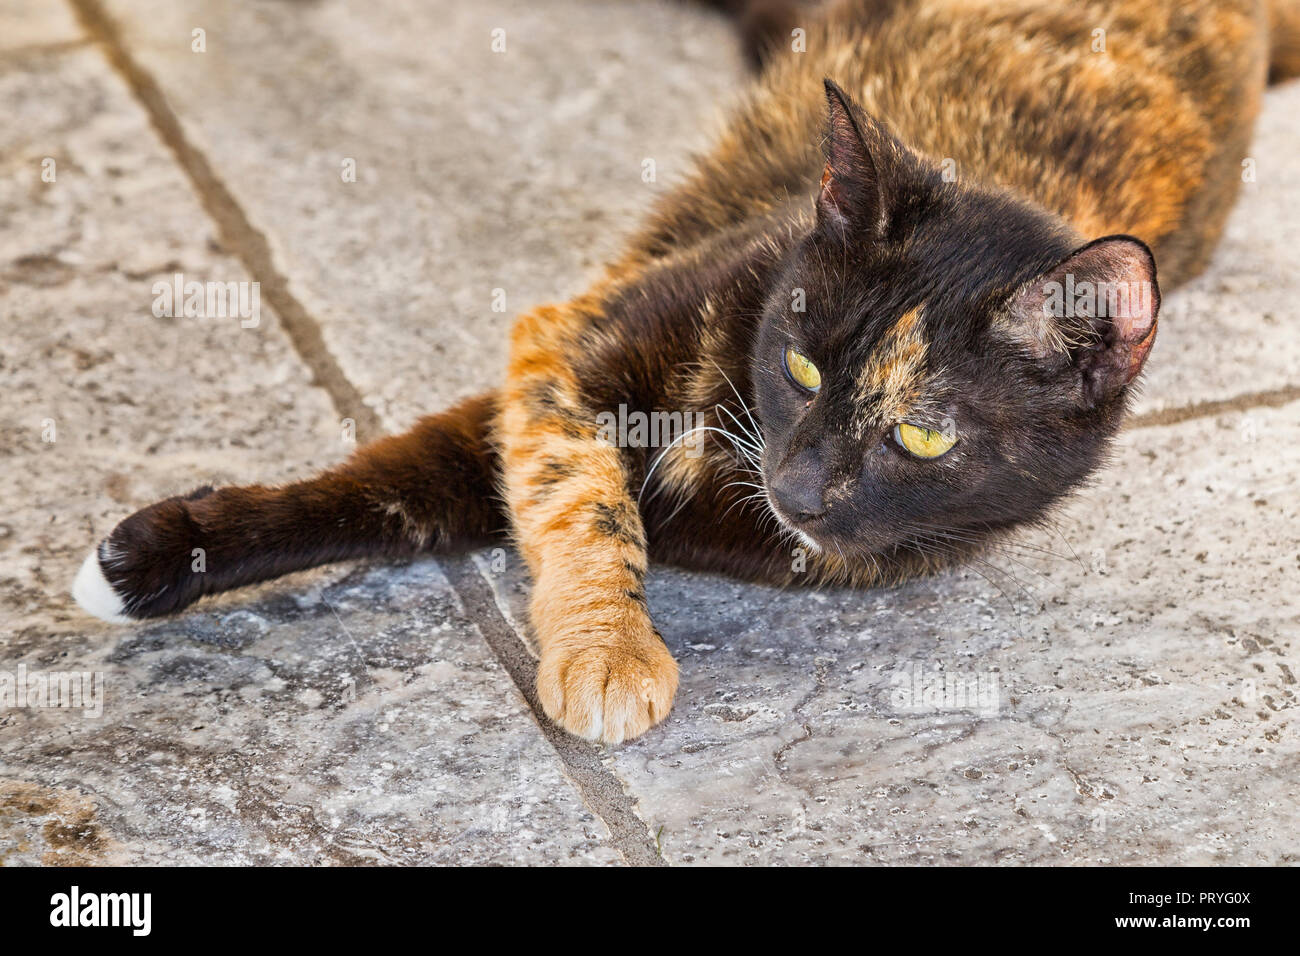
{"points": [[610, 693]]}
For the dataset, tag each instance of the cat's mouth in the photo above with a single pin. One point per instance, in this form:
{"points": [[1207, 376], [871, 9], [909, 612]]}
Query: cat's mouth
{"points": [[808, 540], [792, 515], [819, 523], [801, 529], [820, 533]]}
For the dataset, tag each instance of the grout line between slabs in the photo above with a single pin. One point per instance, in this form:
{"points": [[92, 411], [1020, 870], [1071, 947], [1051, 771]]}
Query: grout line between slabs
{"points": [[237, 233], [598, 787], [1272, 398]]}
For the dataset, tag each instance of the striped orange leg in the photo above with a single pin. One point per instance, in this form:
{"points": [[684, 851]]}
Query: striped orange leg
{"points": [[604, 673]]}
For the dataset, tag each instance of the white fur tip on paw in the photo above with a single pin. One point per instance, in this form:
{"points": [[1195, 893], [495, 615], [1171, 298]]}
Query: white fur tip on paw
{"points": [[95, 595]]}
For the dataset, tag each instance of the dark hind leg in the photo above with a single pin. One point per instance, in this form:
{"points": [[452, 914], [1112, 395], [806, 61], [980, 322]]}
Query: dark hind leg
{"points": [[433, 487]]}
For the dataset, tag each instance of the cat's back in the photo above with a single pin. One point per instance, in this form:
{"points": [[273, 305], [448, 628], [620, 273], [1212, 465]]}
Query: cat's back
{"points": [[1126, 116]]}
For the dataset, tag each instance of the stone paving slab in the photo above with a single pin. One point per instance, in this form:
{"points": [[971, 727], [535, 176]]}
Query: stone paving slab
{"points": [[25, 24], [360, 722], [1232, 330], [1127, 698], [346, 716], [105, 406], [476, 170]]}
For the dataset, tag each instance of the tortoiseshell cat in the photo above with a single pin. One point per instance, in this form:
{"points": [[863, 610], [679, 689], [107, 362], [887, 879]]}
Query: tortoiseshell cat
{"points": [[860, 293]]}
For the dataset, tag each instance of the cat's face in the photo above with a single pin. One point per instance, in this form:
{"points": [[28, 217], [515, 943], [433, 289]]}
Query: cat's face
{"points": [[930, 366]]}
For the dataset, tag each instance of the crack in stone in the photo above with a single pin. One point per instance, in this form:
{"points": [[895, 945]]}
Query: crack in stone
{"points": [[785, 749], [1081, 785]]}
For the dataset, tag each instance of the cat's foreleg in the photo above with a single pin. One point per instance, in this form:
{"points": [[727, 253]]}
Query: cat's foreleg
{"points": [[429, 488], [605, 673]]}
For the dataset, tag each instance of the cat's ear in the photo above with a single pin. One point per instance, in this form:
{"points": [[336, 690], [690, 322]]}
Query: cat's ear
{"points": [[851, 193], [1094, 313]]}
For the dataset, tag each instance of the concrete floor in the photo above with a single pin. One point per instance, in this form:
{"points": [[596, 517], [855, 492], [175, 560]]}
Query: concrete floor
{"points": [[1137, 662]]}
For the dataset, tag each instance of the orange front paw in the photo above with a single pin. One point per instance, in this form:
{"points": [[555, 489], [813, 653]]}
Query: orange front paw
{"points": [[609, 688]]}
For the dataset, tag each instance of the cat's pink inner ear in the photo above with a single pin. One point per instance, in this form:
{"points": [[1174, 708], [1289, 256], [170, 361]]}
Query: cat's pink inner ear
{"points": [[1096, 311], [1133, 304], [1122, 272]]}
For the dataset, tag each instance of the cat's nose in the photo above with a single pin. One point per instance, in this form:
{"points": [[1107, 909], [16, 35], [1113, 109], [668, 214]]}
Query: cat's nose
{"points": [[798, 495]]}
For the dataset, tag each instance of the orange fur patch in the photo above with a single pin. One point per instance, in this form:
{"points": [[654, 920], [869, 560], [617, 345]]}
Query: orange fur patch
{"points": [[891, 380]]}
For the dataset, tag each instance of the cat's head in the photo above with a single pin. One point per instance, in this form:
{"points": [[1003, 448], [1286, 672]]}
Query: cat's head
{"points": [[936, 359]]}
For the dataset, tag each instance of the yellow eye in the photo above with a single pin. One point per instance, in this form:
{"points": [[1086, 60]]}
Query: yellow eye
{"points": [[802, 370], [923, 442]]}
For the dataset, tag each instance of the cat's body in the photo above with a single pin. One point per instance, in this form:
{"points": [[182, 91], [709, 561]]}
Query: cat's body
{"points": [[816, 285]]}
